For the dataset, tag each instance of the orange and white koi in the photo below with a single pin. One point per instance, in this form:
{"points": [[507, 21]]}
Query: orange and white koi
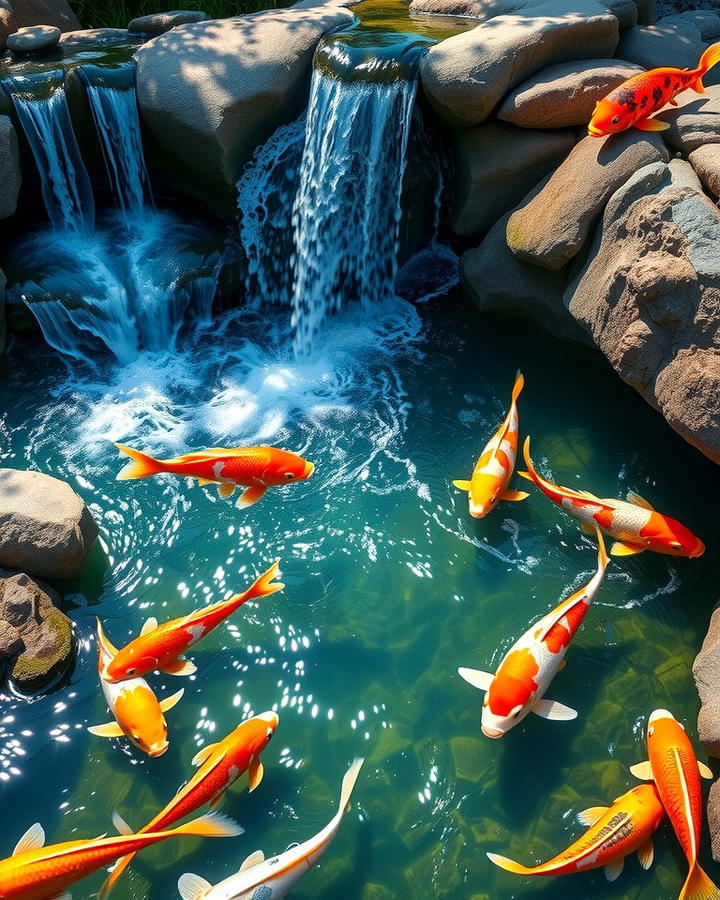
{"points": [[255, 468], [489, 482], [275, 877], [220, 765], [676, 772], [138, 714], [161, 646], [635, 524], [631, 104], [518, 687], [37, 872], [613, 833]]}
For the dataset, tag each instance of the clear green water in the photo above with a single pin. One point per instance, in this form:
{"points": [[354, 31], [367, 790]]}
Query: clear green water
{"points": [[390, 586]]}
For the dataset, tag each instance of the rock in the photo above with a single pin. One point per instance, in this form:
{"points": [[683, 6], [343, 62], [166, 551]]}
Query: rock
{"points": [[159, 23], [10, 168], [34, 634], [647, 12], [554, 225], [695, 121], [713, 818], [495, 279], [674, 44], [495, 166], [33, 38], [625, 11], [706, 21], [706, 672], [210, 92], [8, 23], [45, 527], [649, 295], [45, 12], [564, 95], [706, 162], [94, 36], [467, 75]]}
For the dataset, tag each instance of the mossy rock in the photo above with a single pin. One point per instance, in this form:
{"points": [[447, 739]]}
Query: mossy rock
{"points": [[35, 670], [373, 891], [470, 758]]}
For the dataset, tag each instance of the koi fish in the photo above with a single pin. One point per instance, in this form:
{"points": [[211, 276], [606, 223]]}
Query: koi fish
{"points": [[676, 772], [635, 524], [276, 877], [138, 715], [631, 104], [255, 468], [160, 646], [37, 872], [491, 476], [613, 833], [518, 687], [220, 765]]}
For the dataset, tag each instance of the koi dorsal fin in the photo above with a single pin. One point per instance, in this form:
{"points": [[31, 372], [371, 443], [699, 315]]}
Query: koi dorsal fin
{"points": [[203, 754], [33, 839], [253, 860], [150, 625], [193, 887], [589, 817], [637, 500]]}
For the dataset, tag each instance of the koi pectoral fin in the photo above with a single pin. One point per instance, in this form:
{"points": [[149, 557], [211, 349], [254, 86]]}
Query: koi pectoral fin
{"points": [[109, 730], [193, 887], [592, 815], [650, 125], [705, 771], [256, 773], [646, 854], [619, 548], [514, 496], [179, 666], [251, 495], [478, 679], [614, 870], [225, 489], [462, 485], [642, 771], [171, 701], [551, 709]]}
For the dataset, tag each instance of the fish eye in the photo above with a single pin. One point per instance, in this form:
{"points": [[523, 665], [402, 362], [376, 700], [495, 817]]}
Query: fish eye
{"points": [[269, 733], [615, 120], [132, 671], [651, 729], [136, 738], [289, 475], [676, 545]]}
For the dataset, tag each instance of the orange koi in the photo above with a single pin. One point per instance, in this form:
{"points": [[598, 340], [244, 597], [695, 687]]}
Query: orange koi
{"points": [[676, 772], [613, 833], [635, 524], [161, 646], [138, 714], [491, 476], [256, 468], [518, 687], [220, 765], [631, 104], [37, 872]]}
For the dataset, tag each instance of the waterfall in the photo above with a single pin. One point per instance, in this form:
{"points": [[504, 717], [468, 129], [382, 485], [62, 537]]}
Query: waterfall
{"points": [[347, 209], [113, 100], [41, 106]]}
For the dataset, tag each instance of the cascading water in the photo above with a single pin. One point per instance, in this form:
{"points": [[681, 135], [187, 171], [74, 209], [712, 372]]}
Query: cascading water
{"points": [[113, 100], [41, 106]]}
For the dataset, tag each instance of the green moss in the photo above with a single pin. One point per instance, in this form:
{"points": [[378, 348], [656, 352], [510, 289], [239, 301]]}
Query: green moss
{"points": [[30, 672]]}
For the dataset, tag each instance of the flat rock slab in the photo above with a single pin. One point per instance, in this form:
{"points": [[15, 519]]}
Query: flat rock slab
{"points": [[159, 23], [92, 37], [676, 44], [706, 21], [564, 95], [495, 166], [695, 122], [467, 75], [706, 162], [554, 225], [45, 527], [625, 11], [33, 39]]}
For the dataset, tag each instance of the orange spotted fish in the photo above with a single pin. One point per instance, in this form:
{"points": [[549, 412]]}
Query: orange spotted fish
{"points": [[613, 833], [631, 104], [634, 524], [220, 765], [37, 872], [491, 476], [138, 714], [161, 646], [518, 687], [256, 468], [676, 772]]}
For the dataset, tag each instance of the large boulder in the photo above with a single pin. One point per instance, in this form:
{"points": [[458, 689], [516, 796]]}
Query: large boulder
{"points": [[554, 225], [33, 38], [671, 44], [649, 296], [159, 23], [564, 95], [707, 22], [10, 168], [625, 11], [706, 672], [706, 162], [8, 22], [210, 92], [45, 12], [495, 166], [36, 638], [45, 527], [467, 75], [694, 122]]}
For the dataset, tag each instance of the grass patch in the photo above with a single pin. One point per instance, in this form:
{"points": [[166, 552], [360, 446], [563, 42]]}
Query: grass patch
{"points": [[117, 13]]}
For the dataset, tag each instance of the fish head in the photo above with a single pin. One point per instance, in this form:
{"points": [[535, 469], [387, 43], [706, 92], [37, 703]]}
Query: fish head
{"points": [[130, 662], [253, 735], [664, 730], [666, 535], [285, 468], [507, 703], [139, 715], [484, 494], [609, 117]]}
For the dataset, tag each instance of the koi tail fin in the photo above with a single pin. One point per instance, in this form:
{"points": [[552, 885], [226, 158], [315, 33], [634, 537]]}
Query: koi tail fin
{"points": [[141, 466], [348, 783], [509, 864], [210, 825], [710, 58], [518, 386], [698, 886], [265, 585]]}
